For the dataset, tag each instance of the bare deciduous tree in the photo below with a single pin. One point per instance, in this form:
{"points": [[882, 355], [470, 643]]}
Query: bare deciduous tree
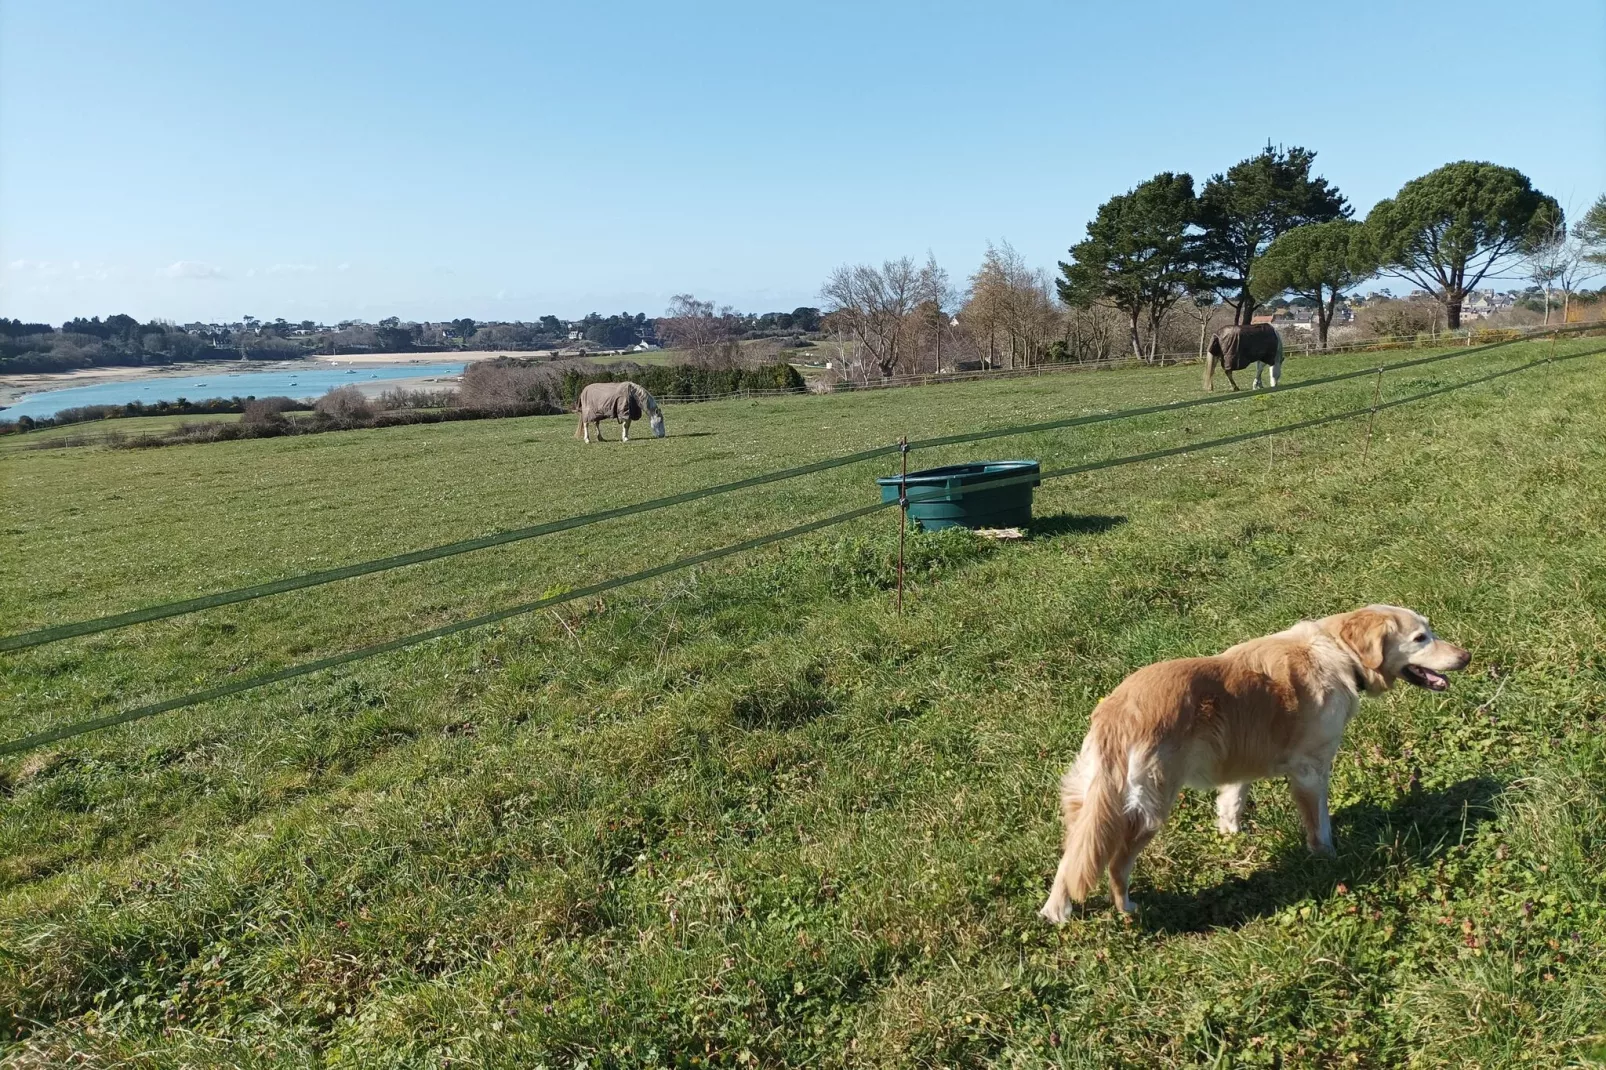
{"points": [[1560, 260], [1203, 307], [710, 334], [1012, 302], [1093, 333], [877, 307]]}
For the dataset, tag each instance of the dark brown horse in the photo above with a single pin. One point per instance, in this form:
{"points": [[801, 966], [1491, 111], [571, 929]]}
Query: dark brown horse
{"points": [[1235, 348]]}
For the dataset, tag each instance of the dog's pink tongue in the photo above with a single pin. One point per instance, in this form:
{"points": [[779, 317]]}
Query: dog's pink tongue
{"points": [[1435, 681]]}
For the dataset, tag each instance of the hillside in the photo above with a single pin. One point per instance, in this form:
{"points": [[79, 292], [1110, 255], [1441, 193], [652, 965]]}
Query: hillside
{"points": [[745, 815]]}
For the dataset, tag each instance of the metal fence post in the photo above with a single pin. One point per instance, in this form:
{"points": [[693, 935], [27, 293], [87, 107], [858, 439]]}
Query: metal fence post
{"points": [[903, 511], [1377, 399]]}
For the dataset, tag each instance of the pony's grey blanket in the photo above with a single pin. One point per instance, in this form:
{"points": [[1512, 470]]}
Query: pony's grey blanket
{"points": [[1239, 347], [612, 401]]}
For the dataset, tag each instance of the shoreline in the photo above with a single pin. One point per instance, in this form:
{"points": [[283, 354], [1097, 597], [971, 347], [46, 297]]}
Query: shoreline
{"points": [[14, 387]]}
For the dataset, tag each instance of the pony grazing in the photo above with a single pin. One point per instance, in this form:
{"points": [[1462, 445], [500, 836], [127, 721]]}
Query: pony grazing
{"points": [[1235, 348], [617, 401]]}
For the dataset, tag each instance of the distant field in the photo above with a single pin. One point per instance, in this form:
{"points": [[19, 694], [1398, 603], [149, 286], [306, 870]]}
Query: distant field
{"points": [[748, 816], [660, 356], [96, 432], [767, 347]]}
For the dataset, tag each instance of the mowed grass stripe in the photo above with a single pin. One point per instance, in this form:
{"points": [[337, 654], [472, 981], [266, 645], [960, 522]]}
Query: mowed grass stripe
{"points": [[39, 637], [68, 731]]}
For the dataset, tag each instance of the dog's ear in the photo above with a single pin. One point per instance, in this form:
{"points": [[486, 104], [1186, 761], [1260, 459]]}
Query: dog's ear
{"points": [[1365, 631]]}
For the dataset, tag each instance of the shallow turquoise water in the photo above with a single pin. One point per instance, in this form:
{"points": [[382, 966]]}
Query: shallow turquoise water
{"points": [[224, 382]]}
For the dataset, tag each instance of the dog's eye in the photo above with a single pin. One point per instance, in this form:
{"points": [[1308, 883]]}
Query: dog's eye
{"points": [[1420, 637]]}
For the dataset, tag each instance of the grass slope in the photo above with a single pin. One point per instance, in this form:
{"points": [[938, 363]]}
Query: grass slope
{"points": [[746, 815]]}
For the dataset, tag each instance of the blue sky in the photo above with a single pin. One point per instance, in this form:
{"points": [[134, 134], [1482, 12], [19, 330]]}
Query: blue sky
{"points": [[507, 160]]}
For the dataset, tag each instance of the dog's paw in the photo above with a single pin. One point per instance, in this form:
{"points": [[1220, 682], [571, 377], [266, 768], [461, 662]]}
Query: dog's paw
{"points": [[1226, 827], [1053, 912], [1127, 906], [1324, 850]]}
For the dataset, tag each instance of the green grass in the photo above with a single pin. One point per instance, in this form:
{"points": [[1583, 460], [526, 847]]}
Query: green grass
{"points": [[97, 432], [748, 816]]}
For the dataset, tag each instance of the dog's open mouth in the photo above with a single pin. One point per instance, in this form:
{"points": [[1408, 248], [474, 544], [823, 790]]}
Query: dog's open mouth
{"points": [[1427, 678]]}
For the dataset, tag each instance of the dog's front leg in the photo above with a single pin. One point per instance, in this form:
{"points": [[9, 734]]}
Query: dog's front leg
{"points": [[1230, 804], [1309, 785]]}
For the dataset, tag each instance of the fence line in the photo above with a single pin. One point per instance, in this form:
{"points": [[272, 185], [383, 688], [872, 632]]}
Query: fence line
{"points": [[1388, 343], [56, 633], [67, 731]]}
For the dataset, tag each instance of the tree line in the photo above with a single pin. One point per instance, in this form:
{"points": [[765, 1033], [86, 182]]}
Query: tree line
{"points": [[1267, 230], [122, 340]]}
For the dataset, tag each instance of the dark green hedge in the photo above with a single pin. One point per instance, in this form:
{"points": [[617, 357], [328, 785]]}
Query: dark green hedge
{"points": [[683, 380]]}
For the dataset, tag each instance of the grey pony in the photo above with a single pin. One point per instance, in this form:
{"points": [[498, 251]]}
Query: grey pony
{"points": [[1235, 348], [617, 401]]}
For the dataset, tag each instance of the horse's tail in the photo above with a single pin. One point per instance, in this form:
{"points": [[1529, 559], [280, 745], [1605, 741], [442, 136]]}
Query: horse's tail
{"points": [[1210, 368], [580, 428]]}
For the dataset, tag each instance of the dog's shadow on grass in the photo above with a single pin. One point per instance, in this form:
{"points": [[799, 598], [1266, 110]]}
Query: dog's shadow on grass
{"points": [[1071, 524], [1416, 830], [695, 434]]}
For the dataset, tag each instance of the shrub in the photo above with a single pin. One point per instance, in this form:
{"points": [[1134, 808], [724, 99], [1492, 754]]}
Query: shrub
{"points": [[555, 385], [344, 404], [265, 411], [1397, 319], [504, 384], [393, 400]]}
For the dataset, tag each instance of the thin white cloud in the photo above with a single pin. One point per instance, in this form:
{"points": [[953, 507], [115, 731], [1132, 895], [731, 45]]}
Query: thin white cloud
{"points": [[193, 269], [43, 268], [292, 269]]}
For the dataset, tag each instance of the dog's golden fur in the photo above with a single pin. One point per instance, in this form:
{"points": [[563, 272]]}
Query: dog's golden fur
{"points": [[1274, 706]]}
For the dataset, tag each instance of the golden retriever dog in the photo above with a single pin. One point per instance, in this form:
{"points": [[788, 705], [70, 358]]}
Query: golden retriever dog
{"points": [[1270, 707]]}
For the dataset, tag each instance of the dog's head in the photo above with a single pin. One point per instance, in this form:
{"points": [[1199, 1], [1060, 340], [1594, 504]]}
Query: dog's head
{"points": [[1394, 643]]}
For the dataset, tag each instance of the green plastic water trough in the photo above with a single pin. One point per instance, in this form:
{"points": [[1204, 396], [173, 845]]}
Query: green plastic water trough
{"points": [[939, 498]]}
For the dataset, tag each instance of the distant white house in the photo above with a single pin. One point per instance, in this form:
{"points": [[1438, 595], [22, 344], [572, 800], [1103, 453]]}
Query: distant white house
{"points": [[645, 347]]}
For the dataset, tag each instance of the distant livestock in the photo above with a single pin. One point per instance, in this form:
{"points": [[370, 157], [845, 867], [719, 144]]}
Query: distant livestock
{"points": [[617, 401], [1235, 348]]}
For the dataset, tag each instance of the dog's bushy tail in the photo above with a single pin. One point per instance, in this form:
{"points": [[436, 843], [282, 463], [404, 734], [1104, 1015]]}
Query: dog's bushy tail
{"points": [[1099, 826]]}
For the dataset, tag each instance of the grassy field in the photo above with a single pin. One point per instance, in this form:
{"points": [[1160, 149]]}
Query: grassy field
{"points": [[745, 815], [97, 432]]}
